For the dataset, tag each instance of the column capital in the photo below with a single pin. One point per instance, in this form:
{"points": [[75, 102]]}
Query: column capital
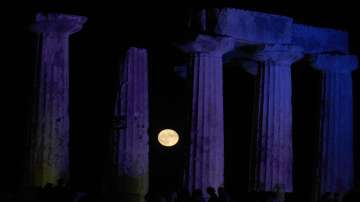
{"points": [[334, 63], [280, 54], [250, 66], [57, 23], [213, 45]]}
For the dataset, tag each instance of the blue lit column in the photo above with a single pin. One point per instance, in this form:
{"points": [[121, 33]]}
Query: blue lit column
{"points": [[131, 144], [272, 151], [206, 157], [49, 138], [335, 169]]}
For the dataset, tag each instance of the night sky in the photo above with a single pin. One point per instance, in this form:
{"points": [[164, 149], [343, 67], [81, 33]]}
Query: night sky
{"points": [[94, 58]]}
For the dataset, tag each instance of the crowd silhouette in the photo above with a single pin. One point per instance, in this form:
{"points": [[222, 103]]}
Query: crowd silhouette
{"points": [[62, 192]]}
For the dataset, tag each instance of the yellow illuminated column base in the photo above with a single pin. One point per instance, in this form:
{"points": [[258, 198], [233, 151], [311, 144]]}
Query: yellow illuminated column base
{"points": [[133, 189], [41, 174]]}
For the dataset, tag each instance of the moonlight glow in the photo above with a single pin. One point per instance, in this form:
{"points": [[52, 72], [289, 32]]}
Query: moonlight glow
{"points": [[168, 137]]}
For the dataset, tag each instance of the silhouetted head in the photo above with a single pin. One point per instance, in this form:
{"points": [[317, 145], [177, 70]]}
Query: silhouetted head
{"points": [[60, 182], [325, 196], [197, 193], [336, 196], [210, 191], [221, 190], [48, 185], [147, 197], [171, 196], [278, 188]]}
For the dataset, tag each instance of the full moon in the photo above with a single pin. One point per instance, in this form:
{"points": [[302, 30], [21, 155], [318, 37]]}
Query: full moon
{"points": [[168, 137]]}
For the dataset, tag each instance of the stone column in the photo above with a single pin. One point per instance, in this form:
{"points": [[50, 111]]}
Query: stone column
{"points": [[132, 115], [272, 153], [335, 169], [206, 157], [49, 137]]}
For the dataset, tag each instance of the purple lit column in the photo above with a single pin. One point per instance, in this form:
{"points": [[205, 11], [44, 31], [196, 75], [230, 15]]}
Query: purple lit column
{"points": [[131, 111], [49, 140], [272, 153], [206, 157], [335, 169]]}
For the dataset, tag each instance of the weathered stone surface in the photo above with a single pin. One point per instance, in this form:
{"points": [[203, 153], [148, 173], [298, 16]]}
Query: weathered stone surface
{"points": [[249, 27], [245, 26], [132, 112], [208, 44], [49, 139], [334, 63], [279, 54], [335, 168], [318, 40], [271, 156], [206, 155], [207, 133], [58, 23]]}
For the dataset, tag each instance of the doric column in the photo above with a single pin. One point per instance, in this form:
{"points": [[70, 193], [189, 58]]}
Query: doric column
{"points": [[335, 169], [131, 147], [272, 152], [49, 140], [206, 157]]}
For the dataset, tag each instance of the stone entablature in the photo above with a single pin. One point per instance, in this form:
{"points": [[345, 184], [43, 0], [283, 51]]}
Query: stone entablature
{"points": [[334, 63], [317, 40], [244, 26], [249, 27]]}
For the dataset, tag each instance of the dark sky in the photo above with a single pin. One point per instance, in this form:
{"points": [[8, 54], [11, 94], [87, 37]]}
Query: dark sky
{"points": [[94, 57]]}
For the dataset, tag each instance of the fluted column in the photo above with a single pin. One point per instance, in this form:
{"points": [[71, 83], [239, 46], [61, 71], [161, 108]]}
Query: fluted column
{"points": [[335, 168], [206, 155], [272, 151], [49, 137], [131, 112]]}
